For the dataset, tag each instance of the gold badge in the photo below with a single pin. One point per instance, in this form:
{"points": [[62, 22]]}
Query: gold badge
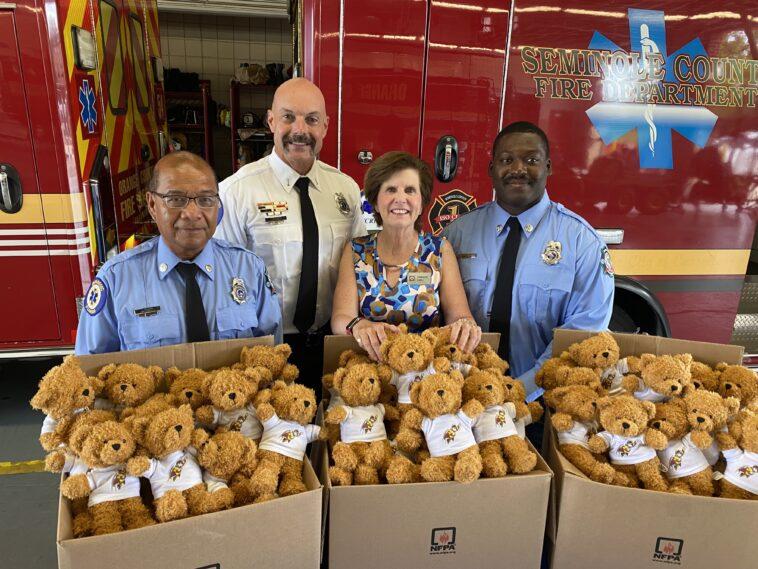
{"points": [[552, 253], [342, 204], [239, 292]]}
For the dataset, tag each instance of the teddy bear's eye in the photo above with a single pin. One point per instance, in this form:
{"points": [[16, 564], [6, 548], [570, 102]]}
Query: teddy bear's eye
{"points": [[694, 410]]}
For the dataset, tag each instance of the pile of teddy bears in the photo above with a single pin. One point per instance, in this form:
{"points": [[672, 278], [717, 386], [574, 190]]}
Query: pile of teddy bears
{"points": [[213, 440], [428, 412], [665, 423]]}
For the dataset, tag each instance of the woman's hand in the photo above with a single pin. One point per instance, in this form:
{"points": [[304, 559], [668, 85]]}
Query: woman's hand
{"points": [[465, 333], [370, 336]]}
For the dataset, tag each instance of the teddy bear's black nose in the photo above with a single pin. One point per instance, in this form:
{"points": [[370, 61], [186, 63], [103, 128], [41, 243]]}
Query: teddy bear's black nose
{"points": [[440, 392], [605, 354], [509, 386], [410, 354], [123, 387], [116, 446], [85, 392], [452, 349], [489, 388], [371, 380], [178, 428], [594, 403], [657, 424], [701, 419], [307, 403], [188, 394], [727, 386], [625, 425], [674, 388], [232, 396]]}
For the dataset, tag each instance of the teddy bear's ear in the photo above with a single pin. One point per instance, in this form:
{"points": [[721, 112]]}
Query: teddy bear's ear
{"points": [[42, 399], [732, 406], [685, 360], [415, 392], [157, 373], [171, 375], [649, 408], [97, 384], [283, 349], [721, 366], [385, 373], [106, 371], [646, 359], [604, 402], [278, 385], [137, 426], [339, 378], [429, 336], [457, 376], [243, 353], [345, 357], [385, 347]]}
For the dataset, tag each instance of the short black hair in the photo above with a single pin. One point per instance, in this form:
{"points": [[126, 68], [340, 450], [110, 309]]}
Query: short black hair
{"points": [[519, 127]]}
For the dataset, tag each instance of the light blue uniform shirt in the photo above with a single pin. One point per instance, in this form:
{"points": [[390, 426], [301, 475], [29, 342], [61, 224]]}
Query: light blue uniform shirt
{"points": [[137, 299], [576, 292]]}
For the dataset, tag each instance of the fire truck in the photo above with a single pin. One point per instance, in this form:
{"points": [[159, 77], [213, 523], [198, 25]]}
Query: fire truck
{"points": [[82, 122], [649, 108]]}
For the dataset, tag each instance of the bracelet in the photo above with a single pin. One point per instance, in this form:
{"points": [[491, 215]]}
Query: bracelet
{"points": [[352, 323]]}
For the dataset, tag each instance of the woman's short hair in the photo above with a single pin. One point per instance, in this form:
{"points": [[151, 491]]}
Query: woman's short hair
{"points": [[385, 167]]}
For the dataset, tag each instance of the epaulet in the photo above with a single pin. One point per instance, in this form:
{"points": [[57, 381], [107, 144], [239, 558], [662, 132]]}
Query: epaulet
{"points": [[223, 244], [560, 208], [140, 249]]}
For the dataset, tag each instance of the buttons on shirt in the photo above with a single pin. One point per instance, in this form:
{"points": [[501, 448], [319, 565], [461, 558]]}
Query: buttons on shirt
{"points": [[163, 267]]}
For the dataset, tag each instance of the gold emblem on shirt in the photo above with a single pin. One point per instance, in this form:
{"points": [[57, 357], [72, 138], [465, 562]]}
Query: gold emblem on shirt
{"points": [[342, 204], [289, 436], [119, 479], [500, 418], [368, 424], [552, 253], [451, 432], [176, 470]]}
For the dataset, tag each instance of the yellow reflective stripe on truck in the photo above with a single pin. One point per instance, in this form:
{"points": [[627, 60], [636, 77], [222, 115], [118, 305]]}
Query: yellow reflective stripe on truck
{"points": [[680, 261]]}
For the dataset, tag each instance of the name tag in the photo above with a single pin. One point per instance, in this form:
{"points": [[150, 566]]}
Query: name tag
{"points": [[420, 278], [275, 220], [147, 311], [466, 255]]}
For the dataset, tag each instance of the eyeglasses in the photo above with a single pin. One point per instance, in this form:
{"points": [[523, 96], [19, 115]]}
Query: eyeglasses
{"points": [[179, 201]]}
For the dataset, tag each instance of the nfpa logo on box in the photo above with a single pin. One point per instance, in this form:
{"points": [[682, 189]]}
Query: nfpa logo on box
{"points": [[443, 541], [668, 550]]}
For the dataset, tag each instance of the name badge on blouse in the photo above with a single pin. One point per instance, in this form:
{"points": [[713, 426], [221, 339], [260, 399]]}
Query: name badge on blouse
{"points": [[420, 278]]}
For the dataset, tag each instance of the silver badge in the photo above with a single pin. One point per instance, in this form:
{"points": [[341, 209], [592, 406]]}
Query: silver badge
{"points": [[342, 204], [239, 292], [552, 253]]}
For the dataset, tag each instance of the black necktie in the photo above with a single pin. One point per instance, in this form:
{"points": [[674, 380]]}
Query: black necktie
{"points": [[500, 318], [194, 312], [305, 311]]}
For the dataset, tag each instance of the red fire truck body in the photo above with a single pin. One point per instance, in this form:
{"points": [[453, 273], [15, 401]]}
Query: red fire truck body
{"points": [[649, 109]]}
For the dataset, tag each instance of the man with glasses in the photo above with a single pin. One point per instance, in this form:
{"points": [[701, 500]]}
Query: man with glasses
{"points": [[183, 286]]}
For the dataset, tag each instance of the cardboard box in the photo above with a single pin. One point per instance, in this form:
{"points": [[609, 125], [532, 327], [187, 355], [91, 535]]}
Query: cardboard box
{"points": [[598, 525], [488, 523], [282, 533]]}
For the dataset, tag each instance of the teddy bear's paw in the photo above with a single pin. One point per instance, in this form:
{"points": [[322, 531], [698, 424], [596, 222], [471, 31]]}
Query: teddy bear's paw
{"points": [[171, 506], [437, 470], [408, 440], [135, 514], [604, 473], [291, 486], [467, 470], [344, 457], [75, 487], [55, 461], [340, 477], [82, 525], [680, 487], [701, 439], [365, 475], [523, 462], [401, 471], [494, 466], [264, 498]]}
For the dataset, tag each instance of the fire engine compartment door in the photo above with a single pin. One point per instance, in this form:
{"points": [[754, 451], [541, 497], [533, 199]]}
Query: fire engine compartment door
{"points": [[27, 294]]}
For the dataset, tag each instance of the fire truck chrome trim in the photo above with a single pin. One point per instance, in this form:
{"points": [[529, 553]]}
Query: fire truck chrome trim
{"points": [[611, 236]]}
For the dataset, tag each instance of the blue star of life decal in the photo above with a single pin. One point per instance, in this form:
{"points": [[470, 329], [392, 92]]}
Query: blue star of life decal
{"points": [[653, 122], [88, 113]]}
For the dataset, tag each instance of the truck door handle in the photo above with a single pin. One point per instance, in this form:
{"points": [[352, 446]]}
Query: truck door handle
{"points": [[446, 158], [611, 236], [11, 197]]}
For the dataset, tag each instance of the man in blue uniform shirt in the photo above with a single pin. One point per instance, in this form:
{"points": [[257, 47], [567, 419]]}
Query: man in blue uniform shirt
{"points": [[183, 286], [529, 264]]}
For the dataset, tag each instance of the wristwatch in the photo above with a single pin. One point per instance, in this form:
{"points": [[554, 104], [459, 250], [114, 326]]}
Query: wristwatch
{"points": [[352, 323]]}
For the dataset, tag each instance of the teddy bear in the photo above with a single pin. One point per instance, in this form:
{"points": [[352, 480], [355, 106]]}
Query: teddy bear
{"points": [[602, 352], [228, 460], [526, 413], [487, 358], [447, 425], [114, 501], [459, 359], [363, 449], [575, 420], [546, 375], [662, 377], [175, 476], [708, 415], [738, 381], [186, 386], [630, 445], [494, 431], [740, 478], [231, 394], [64, 391], [272, 357], [683, 462], [285, 411], [704, 376], [129, 385], [568, 375]]}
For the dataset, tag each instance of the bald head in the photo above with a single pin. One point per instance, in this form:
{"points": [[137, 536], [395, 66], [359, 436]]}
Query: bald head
{"points": [[181, 162], [298, 120]]}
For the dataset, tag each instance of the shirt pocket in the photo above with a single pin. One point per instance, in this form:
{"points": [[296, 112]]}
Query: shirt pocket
{"points": [[474, 277], [281, 248], [236, 321], [546, 289], [140, 332]]}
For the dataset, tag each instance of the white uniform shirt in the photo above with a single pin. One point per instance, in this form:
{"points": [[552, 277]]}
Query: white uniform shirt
{"points": [[578, 434], [742, 469], [287, 437], [682, 458], [244, 420], [262, 213], [645, 393], [612, 376], [363, 424], [176, 471], [627, 450], [448, 434], [405, 381], [111, 484], [495, 423]]}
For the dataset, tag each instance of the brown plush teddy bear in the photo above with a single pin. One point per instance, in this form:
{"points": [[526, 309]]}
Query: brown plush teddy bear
{"points": [[363, 450], [228, 460], [285, 411], [630, 445], [704, 377], [129, 385], [499, 443], [708, 414], [175, 476], [601, 351], [231, 394], [64, 391], [740, 478], [575, 420], [186, 386], [738, 381], [662, 377], [487, 358], [114, 495], [446, 423], [684, 463], [526, 413], [568, 375], [546, 375], [272, 357], [459, 359]]}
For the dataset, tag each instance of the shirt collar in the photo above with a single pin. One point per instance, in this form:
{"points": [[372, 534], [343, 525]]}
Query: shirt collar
{"points": [[167, 260], [528, 219], [287, 176]]}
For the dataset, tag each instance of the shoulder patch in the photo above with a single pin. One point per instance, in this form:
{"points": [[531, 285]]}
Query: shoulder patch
{"points": [[605, 262], [94, 300], [269, 284]]}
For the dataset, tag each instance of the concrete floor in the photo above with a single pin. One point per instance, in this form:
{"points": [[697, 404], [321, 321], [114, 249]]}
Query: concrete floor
{"points": [[28, 502]]}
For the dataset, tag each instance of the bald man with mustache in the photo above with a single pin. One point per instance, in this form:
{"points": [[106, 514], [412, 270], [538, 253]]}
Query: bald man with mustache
{"points": [[296, 213]]}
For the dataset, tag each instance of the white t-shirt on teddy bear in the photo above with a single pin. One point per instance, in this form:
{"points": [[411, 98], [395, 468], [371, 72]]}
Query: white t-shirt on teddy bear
{"points": [[522, 423], [405, 381], [49, 424], [495, 423], [742, 469], [645, 393], [176, 471], [612, 376], [465, 369], [334, 399], [363, 424], [111, 484], [244, 420], [578, 434], [448, 434], [682, 458], [627, 450], [713, 452], [212, 483], [74, 465], [287, 437]]}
